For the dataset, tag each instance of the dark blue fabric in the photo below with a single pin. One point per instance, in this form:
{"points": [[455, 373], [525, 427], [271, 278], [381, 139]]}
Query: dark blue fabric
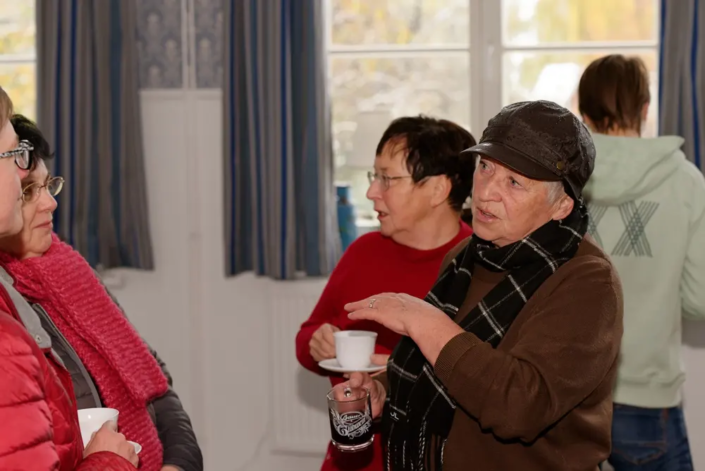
{"points": [[279, 198], [649, 440]]}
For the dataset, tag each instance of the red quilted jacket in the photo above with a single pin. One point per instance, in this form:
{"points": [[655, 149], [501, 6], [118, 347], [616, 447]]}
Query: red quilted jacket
{"points": [[38, 422]]}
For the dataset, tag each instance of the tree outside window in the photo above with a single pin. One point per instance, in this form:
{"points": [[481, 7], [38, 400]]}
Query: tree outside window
{"points": [[18, 54], [389, 58]]}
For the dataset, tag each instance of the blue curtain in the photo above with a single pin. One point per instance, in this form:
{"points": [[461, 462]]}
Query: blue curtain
{"points": [[88, 108], [279, 196], [681, 81]]}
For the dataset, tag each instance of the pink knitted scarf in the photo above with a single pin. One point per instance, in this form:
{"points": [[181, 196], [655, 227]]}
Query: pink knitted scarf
{"points": [[126, 374]]}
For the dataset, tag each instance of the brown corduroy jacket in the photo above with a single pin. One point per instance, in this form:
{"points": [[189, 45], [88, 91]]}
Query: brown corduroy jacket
{"points": [[542, 400]]}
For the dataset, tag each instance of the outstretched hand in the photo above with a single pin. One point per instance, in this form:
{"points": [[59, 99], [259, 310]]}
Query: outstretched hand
{"points": [[429, 327], [400, 313]]}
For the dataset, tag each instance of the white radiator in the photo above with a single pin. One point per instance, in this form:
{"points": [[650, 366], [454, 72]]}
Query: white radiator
{"points": [[300, 417]]}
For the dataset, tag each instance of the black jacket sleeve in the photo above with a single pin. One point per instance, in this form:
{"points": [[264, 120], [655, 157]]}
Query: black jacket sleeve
{"points": [[175, 430]]}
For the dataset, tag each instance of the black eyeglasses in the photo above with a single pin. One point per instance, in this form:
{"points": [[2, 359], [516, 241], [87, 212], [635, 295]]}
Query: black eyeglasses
{"points": [[31, 192], [22, 155]]}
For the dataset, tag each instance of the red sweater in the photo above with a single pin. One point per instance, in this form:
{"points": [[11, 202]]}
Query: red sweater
{"points": [[372, 264]]}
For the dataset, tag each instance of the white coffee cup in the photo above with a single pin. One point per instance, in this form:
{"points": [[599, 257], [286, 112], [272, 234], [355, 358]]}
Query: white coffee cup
{"points": [[91, 420], [353, 348]]}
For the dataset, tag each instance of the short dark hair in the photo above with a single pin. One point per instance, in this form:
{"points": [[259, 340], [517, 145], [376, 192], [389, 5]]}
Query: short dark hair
{"points": [[27, 130], [433, 147], [613, 91]]}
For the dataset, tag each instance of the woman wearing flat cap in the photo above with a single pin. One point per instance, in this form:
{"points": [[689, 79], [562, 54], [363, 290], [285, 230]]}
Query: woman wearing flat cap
{"points": [[509, 362]]}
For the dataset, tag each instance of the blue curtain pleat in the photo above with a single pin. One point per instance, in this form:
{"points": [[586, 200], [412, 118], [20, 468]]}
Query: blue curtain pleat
{"points": [[681, 84], [89, 110], [279, 197]]}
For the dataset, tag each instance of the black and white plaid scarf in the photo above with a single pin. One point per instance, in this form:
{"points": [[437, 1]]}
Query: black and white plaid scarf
{"points": [[419, 411]]}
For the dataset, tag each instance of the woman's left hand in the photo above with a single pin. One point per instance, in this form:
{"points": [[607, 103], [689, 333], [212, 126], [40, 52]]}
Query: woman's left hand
{"points": [[400, 313]]}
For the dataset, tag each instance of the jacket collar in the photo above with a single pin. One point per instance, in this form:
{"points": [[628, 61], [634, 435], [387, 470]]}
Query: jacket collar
{"points": [[28, 316]]}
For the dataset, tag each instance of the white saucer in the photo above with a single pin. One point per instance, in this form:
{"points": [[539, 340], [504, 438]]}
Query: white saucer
{"points": [[137, 446], [333, 365]]}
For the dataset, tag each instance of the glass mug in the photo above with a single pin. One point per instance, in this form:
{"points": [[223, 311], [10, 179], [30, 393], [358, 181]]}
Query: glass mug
{"points": [[350, 414]]}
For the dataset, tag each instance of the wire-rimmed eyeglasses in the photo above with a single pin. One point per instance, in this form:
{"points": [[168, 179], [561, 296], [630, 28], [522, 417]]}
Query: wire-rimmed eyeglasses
{"points": [[53, 186], [386, 180]]}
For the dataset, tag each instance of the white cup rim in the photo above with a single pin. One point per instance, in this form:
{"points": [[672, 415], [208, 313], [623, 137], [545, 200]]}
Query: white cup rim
{"points": [[354, 333], [105, 409], [108, 412]]}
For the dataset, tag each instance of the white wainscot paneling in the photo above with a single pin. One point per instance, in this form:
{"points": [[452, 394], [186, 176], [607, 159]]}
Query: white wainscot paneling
{"points": [[262, 411], [300, 418]]}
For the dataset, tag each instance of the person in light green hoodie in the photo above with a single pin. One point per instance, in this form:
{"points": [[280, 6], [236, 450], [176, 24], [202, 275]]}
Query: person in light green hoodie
{"points": [[647, 207]]}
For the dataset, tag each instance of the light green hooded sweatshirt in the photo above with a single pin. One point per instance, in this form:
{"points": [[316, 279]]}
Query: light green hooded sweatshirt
{"points": [[647, 206]]}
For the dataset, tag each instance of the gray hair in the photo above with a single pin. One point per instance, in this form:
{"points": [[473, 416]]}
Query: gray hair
{"points": [[556, 191]]}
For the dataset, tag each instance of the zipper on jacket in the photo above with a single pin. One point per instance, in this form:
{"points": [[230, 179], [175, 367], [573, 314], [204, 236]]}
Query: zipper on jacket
{"points": [[72, 353]]}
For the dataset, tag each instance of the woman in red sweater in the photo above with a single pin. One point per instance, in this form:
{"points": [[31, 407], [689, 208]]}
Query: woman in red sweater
{"points": [[418, 187]]}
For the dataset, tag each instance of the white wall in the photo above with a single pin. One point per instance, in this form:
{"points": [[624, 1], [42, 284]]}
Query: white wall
{"points": [[229, 342]]}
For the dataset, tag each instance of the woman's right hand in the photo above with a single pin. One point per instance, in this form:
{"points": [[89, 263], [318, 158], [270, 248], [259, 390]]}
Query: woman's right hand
{"points": [[108, 439], [322, 344], [377, 392]]}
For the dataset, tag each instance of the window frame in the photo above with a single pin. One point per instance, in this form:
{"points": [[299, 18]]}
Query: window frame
{"points": [[25, 59], [486, 50], [493, 47]]}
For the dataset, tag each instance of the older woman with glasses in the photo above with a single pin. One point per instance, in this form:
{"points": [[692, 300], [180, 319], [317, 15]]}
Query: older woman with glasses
{"points": [[418, 186], [38, 422], [110, 365]]}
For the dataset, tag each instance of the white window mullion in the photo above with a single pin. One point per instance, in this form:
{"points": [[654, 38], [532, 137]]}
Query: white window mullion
{"points": [[371, 52], [593, 46], [487, 59], [17, 58], [397, 49], [476, 79], [328, 21]]}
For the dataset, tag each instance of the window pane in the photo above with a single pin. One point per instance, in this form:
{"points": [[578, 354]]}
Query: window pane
{"points": [[368, 92], [19, 81], [398, 22], [555, 76], [17, 27], [533, 22]]}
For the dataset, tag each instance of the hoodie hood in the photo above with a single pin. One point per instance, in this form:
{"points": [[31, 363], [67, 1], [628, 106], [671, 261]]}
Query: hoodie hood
{"points": [[627, 168]]}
